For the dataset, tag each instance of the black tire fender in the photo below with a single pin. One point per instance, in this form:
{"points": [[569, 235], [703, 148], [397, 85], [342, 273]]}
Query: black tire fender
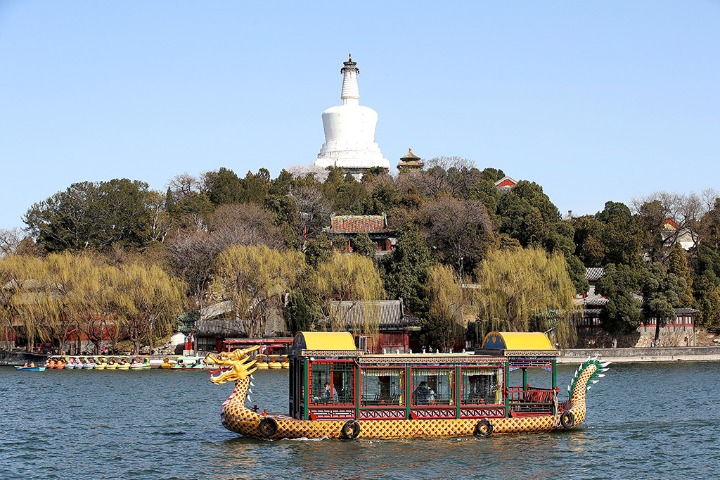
{"points": [[483, 428], [350, 430], [567, 420], [268, 427]]}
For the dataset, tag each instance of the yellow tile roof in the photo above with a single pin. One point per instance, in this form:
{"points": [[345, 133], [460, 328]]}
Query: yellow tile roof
{"points": [[527, 341], [325, 341]]}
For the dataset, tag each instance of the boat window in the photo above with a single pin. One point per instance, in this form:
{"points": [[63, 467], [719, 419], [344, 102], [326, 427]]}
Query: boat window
{"points": [[383, 386], [431, 386], [339, 377], [530, 376], [482, 386]]}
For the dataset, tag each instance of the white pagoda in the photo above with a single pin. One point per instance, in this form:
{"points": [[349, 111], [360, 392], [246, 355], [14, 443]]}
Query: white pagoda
{"points": [[350, 130]]}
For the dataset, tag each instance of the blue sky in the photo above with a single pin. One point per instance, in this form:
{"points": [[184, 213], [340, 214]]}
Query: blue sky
{"points": [[595, 100]]}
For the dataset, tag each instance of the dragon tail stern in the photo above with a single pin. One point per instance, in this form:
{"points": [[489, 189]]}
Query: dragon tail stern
{"points": [[588, 373]]}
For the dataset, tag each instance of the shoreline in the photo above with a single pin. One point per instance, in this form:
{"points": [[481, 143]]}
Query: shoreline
{"points": [[641, 355], [565, 357]]}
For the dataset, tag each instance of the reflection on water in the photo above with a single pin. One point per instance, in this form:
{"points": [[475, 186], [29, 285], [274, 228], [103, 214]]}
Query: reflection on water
{"points": [[644, 421]]}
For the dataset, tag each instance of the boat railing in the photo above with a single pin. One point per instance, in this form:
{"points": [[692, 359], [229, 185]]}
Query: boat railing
{"points": [[331, 411], [531, 399], [380, 400]]}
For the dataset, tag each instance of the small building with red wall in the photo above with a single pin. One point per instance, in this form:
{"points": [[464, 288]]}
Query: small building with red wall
{"points": [[348, 227], [505, 184], [395, 327], [680, 330]]}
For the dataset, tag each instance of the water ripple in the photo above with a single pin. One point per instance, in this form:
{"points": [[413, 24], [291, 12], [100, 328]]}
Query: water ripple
{"points": [[645, 421]]}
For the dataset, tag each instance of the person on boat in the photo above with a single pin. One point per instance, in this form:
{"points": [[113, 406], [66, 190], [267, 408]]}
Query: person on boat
{"points": [[329, 393], [32, 364], [423, 394]]}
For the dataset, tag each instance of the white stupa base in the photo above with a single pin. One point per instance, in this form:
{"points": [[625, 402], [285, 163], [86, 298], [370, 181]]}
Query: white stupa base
{"points": [[349, 161]]}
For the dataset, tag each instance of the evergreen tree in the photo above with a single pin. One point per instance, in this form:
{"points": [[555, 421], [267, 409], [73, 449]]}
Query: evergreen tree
{"points": [[299, 313], [678, 265], [224, 186], [318, 250], [405, 270], [661, 295], [363, 245], [621, 235], [621, 284]]}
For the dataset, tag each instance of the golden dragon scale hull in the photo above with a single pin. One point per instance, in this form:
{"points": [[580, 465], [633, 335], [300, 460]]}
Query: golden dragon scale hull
{"points": [[291, 428], [239, 419]]}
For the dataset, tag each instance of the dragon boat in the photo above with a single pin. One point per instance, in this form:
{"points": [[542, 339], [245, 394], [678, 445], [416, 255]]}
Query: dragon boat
{"points": [[338, 391]]}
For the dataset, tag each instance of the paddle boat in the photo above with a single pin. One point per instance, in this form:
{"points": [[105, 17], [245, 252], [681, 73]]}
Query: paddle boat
{"points": [[54, 363], [167, 363], [70, 363], [261, 362], [337, 391], [189, 363], [274, 363], [138, 364], [30, 368], [88, 363]]}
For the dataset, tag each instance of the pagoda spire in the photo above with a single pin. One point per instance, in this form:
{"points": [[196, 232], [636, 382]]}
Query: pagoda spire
{"points": [[350, 92], [350, 130]]}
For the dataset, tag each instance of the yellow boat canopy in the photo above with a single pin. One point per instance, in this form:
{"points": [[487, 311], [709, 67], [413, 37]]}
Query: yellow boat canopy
{"points": [[324, 341], [524, 341]]}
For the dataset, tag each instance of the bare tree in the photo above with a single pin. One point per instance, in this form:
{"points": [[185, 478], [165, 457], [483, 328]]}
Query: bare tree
{"points": [[193, 256], [183, 185], [302, 171], [9, 241], [160, 222], [461, 231], [314, 209], [681, 214], [446, 163], [244, 224]]}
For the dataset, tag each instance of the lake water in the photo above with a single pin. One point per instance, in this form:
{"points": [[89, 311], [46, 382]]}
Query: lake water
{"points": [[645, 421]]}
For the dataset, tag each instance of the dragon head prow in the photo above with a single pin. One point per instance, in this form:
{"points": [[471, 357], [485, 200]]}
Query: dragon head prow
{"points": [[242, 366]]}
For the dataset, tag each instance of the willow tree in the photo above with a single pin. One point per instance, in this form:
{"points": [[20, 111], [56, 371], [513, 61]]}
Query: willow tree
{"points": [[349, 278], [8, 287], [444, 325], [51, 296], [255, 279], [148, 300], [73, 297], [49, 299], [526, 290], [19, 295]]}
